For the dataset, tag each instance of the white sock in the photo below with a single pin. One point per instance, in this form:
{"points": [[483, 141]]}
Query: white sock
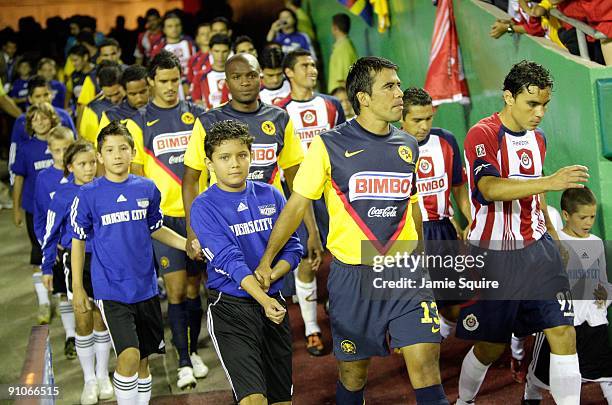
{"points": [[447, 328], [472, 375], [606, 388], [86, 355], [565, 380], [41, 292], [102, 346], [531, 391], [517, 345], [67, 316], [126, 389], [144, 390], [307, 297]]}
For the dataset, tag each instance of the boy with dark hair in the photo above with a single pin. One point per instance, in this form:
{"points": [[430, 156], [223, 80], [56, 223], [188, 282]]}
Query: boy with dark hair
{"points": [[201, 60], [233, 219], [19, 86], [208, 88], [47, 68], [110, 50], [83, 68], [342, 95], [122, 211], [244, 43], [274, 86], [133, 80], [148, 38]]}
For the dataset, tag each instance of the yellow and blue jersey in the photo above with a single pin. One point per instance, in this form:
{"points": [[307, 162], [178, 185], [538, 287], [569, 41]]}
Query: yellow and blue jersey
{"points": [[92, 115]]}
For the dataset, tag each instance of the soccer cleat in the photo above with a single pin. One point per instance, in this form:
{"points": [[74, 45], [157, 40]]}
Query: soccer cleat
{"points": [[70, 349], [314, 344], [519, 370], [44, 314], [89, 396], [186, 379], [105, 388], [200, 370]]}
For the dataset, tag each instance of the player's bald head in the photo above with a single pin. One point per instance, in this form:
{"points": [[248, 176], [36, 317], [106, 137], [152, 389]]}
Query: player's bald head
{"points": [[239, 59]]}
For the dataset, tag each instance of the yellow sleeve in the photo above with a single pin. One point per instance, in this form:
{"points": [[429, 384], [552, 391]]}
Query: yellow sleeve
{"points": [[195, 155], [104, 121], [292, 153], [545, 4], [314, 171], [88, 92], [88, 127], [136, 132], [2, 92]]}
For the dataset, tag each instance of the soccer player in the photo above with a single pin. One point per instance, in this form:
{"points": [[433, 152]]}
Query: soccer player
{"points": [[111, 95], [233, 218], [109, 49], [47, 68], [342, 96], [133, 80], [92, 338], [591, 290], [312, 114], [148, 39], [19, 87], [504, 156], [123, 212], [83, 70], [342, 165], [209, 88], [32, 157], [161, 134], [201, 60], [274, 86], [244, 43]]}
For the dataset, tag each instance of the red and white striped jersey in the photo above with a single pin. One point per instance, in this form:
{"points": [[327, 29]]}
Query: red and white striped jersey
{"points": [[183, 50], [311, 117], [209, 86], [439, 169], [274, 96], [493, 150]]}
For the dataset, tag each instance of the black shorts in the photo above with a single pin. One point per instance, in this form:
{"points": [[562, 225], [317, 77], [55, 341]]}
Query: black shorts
{"points": [[169, 259], [68, 274], [137, 325], [254, 351], [35, 252], [59, 278]]}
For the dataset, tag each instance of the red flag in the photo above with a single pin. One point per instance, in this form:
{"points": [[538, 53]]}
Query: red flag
{"points": [[445, 81]]}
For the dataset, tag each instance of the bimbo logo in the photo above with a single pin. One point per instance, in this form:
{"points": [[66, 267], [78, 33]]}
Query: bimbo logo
{"points": [[172, 142], [432, 185], [263, 154], [309, 118], [380, 186]]}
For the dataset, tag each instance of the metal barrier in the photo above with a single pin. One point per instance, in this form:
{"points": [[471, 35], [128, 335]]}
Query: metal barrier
{"points": [[38, 366], [582, 30]]}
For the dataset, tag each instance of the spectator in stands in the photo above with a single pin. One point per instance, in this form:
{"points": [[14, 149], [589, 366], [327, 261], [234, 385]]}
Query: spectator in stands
{"points": [[341, 94], [19, 86], [343, 53], [48, 69], [283, 31], [148, 39], [7, 59], [304, 23], [244, 44], [74, 29], [541, 10]]}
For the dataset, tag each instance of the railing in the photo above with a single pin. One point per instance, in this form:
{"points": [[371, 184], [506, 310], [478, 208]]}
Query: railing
{"points": [[582, 30], [38, 366]]}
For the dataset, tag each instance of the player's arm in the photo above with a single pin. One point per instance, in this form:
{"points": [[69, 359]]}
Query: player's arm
{"points": [[550, 227], [460, 194], [8, 105], [273, 309], [17, 194], [417, 217], [50, 240], [80, 215], [170, 238], [137, 166]]}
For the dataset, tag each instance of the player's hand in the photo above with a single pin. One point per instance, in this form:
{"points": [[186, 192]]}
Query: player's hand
{"points": [[498, 29], [466, 232], [47, 280], [565, 256], [568, 177], [80, 300], [18, 217], [274, 311], [263, 274], [315, 251], [600, 293], [193, 248]]}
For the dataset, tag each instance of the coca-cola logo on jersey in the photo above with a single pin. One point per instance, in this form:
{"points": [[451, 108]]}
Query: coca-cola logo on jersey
{"points": [[387, 212], [526, 161], [425, 166], [309, 118]]}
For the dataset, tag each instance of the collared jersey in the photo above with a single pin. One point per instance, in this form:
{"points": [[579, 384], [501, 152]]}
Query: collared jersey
{"points": [[493, 150], [275, 143], [183, 50], [92, 115], [32, 157], [119, 218], [209, 86], [120, 112], [275, 96], [439, 170], [161, 136], [368, 182], [314, 116]]}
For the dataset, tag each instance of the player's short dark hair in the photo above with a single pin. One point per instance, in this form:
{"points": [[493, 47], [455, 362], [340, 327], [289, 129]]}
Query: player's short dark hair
{"points": [[108, 73], [527, 73], [114, 128], [44, 61], [132, 74], [221, 20], [152, 12], [573, 198], [79, 146], [203, 24], [163, 60], [291, 58], [79, 50], [226, 130], [342, 21], [36, 82], [361, 74], [86, 37], [415, 96], [109, 42], [271, 58], [169, 15], [241, 39], [220, 39]]}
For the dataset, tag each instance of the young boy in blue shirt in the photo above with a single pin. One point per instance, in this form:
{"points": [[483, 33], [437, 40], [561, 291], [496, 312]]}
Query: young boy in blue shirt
{"points": [[233, 220], [122, 211]]}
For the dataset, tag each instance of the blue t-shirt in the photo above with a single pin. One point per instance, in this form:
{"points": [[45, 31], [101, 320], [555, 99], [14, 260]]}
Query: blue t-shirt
{"points": [[294, 41], [234, 229], [19, 89], [32, 157], [47, 182], [58, 92], [58, 228], [122, 217]]}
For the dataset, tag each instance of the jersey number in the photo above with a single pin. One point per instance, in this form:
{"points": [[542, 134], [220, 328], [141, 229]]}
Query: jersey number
{"points": [[430, 315]]}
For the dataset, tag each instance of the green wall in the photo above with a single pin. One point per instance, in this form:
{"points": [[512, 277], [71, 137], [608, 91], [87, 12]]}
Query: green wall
{"points": [[572, 120]]}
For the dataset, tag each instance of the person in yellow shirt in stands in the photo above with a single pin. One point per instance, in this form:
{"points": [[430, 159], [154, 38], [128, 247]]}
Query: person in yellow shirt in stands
{"points": [[343, 54]]}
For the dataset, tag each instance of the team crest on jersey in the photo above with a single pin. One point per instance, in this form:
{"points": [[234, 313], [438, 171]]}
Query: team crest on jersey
{"points": [[268, 209], [380, 186], [268, 128], [526, 159], [187, 118], [405, 153], [309, 118], [480, 150], [348, 347], [470, 323], [164, 262], [142, 202], [425, 165]]}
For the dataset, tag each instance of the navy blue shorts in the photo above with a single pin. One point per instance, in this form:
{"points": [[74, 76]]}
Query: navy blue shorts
{"points": [[169, 259], [365, 325], [438, 230], [534, 295]]}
